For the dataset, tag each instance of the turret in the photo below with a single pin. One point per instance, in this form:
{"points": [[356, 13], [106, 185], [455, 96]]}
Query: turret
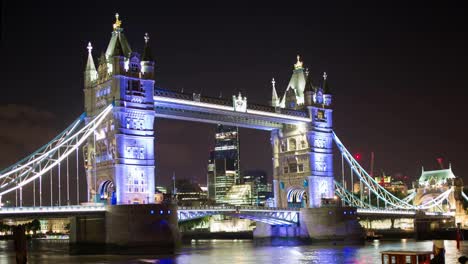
{"points": [[118, 49], [90, 74], [297, 84], [327, 97], [274, 96], [147, 61]]}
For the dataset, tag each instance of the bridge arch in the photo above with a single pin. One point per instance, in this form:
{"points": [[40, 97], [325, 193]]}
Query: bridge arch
{"points": [[297, 197], [107, 191]]}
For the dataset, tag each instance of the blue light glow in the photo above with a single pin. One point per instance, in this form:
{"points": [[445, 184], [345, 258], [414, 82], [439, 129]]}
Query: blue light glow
{"points": [[161, 212], [152, 212]]}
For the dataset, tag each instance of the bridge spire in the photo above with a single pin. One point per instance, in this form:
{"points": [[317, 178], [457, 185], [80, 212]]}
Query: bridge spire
{"points": [[90, 70], [117, 23], [117, 37], [274, 96], [325, 88], [299, 63], [147, 56], [147, 61], [297, 84]]}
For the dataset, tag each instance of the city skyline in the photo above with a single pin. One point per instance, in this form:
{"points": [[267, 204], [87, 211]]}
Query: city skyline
{"points": [[410, 93]]}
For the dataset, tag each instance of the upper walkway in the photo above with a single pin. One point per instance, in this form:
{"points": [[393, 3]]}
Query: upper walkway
{"points": [[234, 112]]}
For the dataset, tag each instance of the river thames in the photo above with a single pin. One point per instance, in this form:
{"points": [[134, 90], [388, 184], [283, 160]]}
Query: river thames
{"points": [[235, 251]]}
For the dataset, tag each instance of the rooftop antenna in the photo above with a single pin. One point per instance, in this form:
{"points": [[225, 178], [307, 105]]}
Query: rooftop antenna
{"points": [[441, 162], [173, 180]]}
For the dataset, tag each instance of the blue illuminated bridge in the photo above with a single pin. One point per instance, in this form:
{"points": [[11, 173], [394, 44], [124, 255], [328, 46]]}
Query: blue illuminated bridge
{"points": [[111, 148], [31, 172], [271, 216]]}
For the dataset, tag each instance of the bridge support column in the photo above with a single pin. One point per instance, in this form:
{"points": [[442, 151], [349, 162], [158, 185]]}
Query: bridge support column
{"points": [[263, 230], [127, 229], [331, 223]]}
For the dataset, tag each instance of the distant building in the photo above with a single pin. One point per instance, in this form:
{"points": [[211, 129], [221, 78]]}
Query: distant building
{"points": [[240, 194], [261, 189], [432, 184], [190, 194], [55, 225], [392, 185], [161, 189], [49, 225], [223, 165]]}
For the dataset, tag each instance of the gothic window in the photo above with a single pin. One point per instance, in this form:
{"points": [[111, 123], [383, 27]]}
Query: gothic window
{"points": [[133, 123], [134, 86], [293, 167], [283, 146], [142, 154], [286, 170], [292, 144], [135, 67], [136, 181], [141, 124], [300, 167], [128, 123], [320, 115]]}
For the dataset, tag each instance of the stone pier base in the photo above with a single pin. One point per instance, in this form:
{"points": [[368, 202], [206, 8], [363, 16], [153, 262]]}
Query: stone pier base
{"points": [[263, 230], [331, 223], [126, 229], [337, 224]]}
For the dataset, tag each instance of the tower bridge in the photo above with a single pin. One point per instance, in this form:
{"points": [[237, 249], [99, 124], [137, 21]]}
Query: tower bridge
{"points": [[116, 139]]}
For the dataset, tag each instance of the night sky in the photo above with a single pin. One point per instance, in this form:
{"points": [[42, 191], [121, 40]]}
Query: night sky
{"points": [[398, 74]]}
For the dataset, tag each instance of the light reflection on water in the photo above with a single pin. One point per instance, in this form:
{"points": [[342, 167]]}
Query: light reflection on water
{"points": [[236, 251]]}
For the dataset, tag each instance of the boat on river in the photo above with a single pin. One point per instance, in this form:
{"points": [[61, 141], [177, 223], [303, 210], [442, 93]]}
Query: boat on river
{"points": [[406, 257]]}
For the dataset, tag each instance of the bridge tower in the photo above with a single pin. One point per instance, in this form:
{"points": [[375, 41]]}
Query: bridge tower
{"points": [[119, 160], [302, 155]]}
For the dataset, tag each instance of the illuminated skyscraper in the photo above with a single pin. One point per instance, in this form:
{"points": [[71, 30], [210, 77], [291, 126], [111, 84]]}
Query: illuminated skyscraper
{"points": [[223, 167]]}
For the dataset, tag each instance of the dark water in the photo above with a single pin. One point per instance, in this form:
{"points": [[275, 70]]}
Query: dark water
{"points": [[235, 251]]}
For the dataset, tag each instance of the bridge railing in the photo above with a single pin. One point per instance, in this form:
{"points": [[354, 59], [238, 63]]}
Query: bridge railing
{"points": [[52, 209], [231, 207]]}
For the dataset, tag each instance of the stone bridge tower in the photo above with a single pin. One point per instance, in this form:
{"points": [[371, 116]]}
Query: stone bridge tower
{"points": [[302, 155], [119, 159]]}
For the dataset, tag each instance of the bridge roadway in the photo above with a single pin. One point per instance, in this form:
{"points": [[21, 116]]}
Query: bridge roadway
{"points": [[272, 216]]}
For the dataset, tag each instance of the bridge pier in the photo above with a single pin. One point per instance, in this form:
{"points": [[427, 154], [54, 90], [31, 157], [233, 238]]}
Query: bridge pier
{"points": [[126, 229], [331, 223], [263, 230], [427, 227], [318, 224]]}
